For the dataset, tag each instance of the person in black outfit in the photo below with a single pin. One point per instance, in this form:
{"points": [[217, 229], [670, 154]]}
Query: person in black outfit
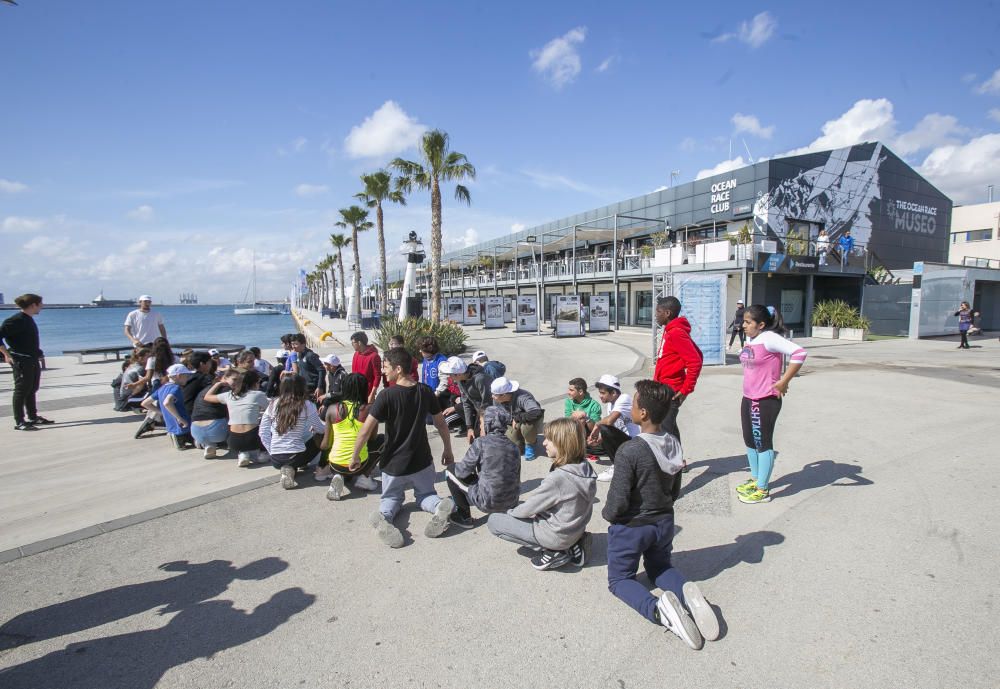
{"points": [[310, 367], [736, 327], [20, 348]]}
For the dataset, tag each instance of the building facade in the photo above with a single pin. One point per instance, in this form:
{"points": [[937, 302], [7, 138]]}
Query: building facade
{"points": [[975, 235], [759, 225]]}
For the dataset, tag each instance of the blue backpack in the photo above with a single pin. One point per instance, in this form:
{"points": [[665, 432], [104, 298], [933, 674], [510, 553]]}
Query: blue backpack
{"points": [[494, 369]]}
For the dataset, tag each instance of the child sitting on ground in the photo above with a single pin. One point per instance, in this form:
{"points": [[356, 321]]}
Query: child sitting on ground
{"points": [[640, 510], [343, 423], [169, 400], [489, 476], [554, 518]]}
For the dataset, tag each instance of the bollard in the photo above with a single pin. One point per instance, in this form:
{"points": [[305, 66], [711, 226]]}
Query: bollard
{"points": [[326, 336]]}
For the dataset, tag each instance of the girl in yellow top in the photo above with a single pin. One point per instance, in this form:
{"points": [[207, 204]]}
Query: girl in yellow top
{"points": [[343, 422]]}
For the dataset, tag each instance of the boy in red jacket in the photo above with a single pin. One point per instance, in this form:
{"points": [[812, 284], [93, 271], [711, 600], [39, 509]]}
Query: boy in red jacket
{"points": [[367, 362], [679, 363]]}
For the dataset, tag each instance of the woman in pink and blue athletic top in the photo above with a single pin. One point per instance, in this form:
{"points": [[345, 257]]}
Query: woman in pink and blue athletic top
{"points": [[763, 388]]}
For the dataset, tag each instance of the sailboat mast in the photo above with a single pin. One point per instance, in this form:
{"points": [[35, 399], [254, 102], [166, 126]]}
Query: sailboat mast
{"points": [[254, 288]]}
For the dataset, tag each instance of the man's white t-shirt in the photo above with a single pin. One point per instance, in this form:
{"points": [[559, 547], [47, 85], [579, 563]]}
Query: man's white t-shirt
{"points": [[623, 405], [144, 325]]}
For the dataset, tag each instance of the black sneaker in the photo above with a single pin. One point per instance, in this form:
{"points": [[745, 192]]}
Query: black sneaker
{"points": [[579, 551], [40, 421], [551, 559], [25, 426], [461, 521], [146, 427]]}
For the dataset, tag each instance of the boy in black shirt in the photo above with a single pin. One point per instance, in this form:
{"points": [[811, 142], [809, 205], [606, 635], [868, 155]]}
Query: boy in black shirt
{"points": [[406, 460], [640, 510]]}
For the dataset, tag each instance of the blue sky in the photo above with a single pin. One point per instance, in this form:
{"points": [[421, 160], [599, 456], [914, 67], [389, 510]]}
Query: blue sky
{"points": [[150, 147]]}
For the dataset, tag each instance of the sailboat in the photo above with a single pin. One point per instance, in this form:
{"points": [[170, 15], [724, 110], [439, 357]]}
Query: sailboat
{"points": [[252, 308]]}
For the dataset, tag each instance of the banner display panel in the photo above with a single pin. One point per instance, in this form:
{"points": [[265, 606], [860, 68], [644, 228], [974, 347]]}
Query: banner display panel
{"points": [[600, 314], [567, 316], [494, 312], [527, 313], [471, 313]]}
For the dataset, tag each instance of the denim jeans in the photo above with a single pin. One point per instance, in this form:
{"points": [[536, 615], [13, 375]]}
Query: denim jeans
{"points": [[652, 543], [212, 434], [393, 488]]}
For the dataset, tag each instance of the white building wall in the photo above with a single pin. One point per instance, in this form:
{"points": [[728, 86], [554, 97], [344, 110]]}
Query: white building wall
{"points": [[975, 218]]}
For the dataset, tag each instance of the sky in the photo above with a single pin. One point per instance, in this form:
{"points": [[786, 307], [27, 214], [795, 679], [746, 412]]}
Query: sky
{"points": [[158, 147]]}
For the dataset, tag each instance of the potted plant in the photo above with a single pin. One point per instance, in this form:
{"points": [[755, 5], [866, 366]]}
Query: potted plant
{"points": [[857, 329], [741, 241], [822, 321]]}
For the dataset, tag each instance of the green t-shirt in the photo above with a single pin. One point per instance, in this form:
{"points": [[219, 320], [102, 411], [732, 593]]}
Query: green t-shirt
{"points": [[590, 406]]}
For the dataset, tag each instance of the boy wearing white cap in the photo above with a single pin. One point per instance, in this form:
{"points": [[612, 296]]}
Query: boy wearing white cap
{"points": [[144, 325], [474, 383], [527, 414], [616, 427], [170, 400]]}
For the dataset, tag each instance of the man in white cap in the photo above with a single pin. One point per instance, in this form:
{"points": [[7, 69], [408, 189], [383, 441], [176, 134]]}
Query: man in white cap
{"points": [[527, 414], [335, 374], [144, 325], [737, 324], [170, 399], [474, 384], [616, 427]]}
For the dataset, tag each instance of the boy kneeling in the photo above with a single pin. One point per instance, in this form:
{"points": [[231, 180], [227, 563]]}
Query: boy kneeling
{"points": [[640, 510]]}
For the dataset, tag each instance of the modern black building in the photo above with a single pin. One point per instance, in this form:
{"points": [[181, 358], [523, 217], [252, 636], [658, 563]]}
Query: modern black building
{"points": [[758, 225]]}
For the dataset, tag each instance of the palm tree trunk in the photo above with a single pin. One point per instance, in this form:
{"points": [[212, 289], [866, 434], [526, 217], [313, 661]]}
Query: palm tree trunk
{"points": [[357, 271], [383, 293], [435, 250], [343, 298]]}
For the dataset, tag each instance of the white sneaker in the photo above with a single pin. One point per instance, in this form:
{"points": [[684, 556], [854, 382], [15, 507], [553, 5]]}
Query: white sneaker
{"points": [[439, 520], [337, 488], [288, 477], [243, 459], [386, 530], [703, 613], [365, 483], [606, 475], [674, 617], [209, 452]]}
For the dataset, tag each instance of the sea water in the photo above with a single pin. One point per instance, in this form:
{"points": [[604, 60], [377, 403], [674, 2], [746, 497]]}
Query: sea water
{"points": [[69, 329]]}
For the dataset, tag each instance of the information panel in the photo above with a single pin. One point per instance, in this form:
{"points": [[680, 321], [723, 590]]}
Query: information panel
{"points": [[472, 315], [508, 309], [703, 303], [600, 314], [527, 313], [494, 312], [567, 316], [456, 310]]}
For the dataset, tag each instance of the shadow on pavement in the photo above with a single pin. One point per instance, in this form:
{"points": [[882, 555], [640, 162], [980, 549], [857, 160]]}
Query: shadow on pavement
{"points": [[140, 659], [714, 468], [825, 472], [199, 582], [702, 564]]}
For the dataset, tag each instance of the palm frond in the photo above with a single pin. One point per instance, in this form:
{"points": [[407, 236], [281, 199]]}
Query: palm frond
{"points": [[462, 195]]}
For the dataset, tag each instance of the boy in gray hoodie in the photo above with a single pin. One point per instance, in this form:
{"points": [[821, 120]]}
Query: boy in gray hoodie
{"points": [[640, 511], [554, 518]]}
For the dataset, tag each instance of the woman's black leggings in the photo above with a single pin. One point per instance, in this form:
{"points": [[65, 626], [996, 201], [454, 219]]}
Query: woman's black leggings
{"points": [[759, 417], [965, 338]]}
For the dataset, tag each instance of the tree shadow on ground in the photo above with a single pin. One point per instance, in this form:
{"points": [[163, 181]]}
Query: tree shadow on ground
{"points": [[139, 660], [198, 582], [825, 472]]}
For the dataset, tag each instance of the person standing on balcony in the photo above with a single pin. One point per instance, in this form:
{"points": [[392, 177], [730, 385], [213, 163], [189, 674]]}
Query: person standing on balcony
{"points": [[846, 245], [822, 249]]}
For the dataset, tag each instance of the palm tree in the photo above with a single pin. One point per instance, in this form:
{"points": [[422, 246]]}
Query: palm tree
{"points": [[438, 165], [356, 218], [340, 242], [378, 189], [323, 268]]}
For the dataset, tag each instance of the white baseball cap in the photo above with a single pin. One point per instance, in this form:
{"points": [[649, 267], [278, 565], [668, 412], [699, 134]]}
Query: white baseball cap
{"points": [[213, 352], [479, 354], [610, 381], [178, 370], [453, 365], [145, 297], [331, 359], [501, 386]]}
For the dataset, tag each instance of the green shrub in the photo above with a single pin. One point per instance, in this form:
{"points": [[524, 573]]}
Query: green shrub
{"points": [[838, 314], [451, 337]]}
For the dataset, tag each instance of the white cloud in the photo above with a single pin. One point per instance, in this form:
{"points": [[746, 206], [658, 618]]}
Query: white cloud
{"points": [[558, 61], [991, 85], [387, 131], [296, 145], [969, 77], [548, 180], [687, 144], [661, 188], [933, 130], [754, 33], [11, 187], [751, 125], [995, 114], [962, 171], [15, 224], [867, 120], [517, 227], [47, 246], [607, 64], [307, 190], [724, 166], [143, 213], [463, 241]]}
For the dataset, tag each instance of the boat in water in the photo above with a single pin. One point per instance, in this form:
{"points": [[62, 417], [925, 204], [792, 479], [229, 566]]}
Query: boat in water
{"points": [[103, 302], [252, 307]]}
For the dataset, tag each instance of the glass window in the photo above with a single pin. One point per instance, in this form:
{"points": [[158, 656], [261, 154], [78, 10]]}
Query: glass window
{"points": [[644, 307], [979, 235]]}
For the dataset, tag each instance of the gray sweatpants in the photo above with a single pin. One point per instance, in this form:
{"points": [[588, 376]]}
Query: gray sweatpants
{"points": [[512, 529]]}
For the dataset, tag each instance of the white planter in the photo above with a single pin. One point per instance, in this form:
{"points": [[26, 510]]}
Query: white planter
{"points": [[825, 332], [856, 334], [744, 252]]}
